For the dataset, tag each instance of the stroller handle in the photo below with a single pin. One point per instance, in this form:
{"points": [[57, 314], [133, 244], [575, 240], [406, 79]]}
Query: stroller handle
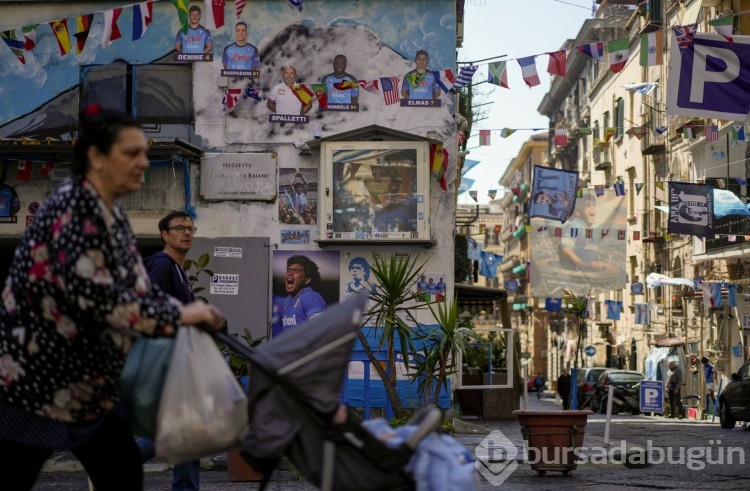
{"points": [[427, 421]]}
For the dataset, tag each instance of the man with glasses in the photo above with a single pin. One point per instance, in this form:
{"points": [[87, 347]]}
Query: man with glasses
{"points": [[166, 271], [302, 301]]}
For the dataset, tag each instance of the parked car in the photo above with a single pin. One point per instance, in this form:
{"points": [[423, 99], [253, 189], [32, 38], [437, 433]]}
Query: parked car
{"points": [[531, 383], [627, 384], [734, 402], [587, 378]]}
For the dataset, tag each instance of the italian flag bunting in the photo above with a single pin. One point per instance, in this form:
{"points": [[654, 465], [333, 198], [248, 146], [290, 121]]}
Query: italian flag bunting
{"points": [[724, 26]]}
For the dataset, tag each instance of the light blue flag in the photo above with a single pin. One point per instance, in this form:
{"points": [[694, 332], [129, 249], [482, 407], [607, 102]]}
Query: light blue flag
{"points": [[727, 203], [465, 185], [468, 165]]}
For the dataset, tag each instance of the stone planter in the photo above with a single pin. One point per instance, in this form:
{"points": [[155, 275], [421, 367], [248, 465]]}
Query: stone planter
{"points": [[551, 438], [239, 469]]}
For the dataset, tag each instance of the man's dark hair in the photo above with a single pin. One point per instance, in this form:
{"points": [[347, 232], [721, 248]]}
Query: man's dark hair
{"points": [[194, 8], [164, 222], [704, 359], [241, 23], [311, 269], [422, 52]]}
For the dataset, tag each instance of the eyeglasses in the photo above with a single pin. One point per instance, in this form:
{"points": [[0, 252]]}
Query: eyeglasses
{"points": [[181, 229]]}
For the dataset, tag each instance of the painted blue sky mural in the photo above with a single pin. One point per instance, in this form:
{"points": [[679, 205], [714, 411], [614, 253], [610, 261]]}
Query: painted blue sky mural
{"points": [[403, 26]]}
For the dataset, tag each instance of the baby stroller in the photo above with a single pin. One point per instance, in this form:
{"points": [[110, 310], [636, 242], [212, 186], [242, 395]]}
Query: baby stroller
{"points": [[294, 391]]}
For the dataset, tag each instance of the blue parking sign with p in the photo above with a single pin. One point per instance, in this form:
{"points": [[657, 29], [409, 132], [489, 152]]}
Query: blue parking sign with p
{"points": [[652, 396]]}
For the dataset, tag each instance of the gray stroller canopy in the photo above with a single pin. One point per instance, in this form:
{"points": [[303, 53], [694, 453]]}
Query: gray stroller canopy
{"points": [[312, 360]]}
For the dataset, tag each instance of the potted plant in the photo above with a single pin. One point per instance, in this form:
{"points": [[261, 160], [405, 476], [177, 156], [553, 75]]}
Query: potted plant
{"points": [[553, 436]]}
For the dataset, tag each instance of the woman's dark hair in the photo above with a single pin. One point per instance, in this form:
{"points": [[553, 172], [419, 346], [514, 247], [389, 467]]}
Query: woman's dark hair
{"points": [[99, 128], [311, 269]]}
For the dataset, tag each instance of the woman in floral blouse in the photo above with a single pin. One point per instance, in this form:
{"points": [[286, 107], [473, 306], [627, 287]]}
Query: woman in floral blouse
{"points": [[75, 294]]}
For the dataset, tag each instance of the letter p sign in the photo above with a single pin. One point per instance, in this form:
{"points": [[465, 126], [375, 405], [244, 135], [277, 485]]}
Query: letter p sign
{"points": [[652, 396]]}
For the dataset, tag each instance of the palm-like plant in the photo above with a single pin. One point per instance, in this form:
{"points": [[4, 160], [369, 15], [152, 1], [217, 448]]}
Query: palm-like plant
{"points": [[576, 305], [201, 266], [393, 302], [194, 268], [442, 345]]}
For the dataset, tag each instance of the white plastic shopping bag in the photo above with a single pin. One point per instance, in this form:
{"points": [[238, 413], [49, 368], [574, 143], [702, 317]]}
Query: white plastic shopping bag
{"points": [[203, 409]]}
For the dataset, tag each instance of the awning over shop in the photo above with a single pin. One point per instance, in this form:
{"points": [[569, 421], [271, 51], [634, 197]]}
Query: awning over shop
{"points": [[668, 342], [470, 294]]}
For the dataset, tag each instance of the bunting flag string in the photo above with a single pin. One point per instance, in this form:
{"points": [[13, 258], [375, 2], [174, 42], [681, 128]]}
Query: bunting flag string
{"points": [[141, 19], [736, 132], [615, 52]]}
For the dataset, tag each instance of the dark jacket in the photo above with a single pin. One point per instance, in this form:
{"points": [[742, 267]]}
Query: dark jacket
{"points": [[563, 385], [169, 276]]}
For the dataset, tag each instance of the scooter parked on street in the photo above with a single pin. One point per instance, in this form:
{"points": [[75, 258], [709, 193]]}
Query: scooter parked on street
{"points": [[625, 398]]}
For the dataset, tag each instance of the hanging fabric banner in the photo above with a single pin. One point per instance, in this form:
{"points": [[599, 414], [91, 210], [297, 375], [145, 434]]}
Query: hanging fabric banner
{"points": [[691, 209], [586, 253], [553, 193], [707, 77]]}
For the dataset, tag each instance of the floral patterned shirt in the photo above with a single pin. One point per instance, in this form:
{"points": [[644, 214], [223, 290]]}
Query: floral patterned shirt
{"points": [[75, 294]]}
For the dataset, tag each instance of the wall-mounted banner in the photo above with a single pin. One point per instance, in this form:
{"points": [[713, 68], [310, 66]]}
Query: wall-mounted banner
{"points": [[239, 176], [691, 209], [587, 253], [710, 78], [553, 193]]}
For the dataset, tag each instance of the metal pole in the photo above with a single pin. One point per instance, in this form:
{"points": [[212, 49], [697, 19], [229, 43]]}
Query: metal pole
{"points": [[573, 370], [700, 378], [610, 395]]}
